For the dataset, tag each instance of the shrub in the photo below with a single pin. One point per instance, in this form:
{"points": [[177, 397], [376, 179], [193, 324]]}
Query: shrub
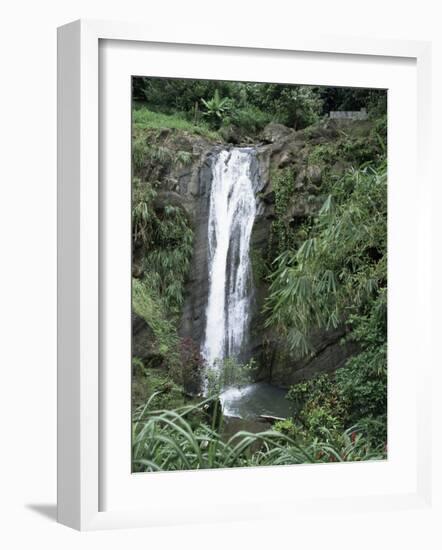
{"points": [[341, 267], [318, 406], [217, 108], [355, 395], [250, 119]]}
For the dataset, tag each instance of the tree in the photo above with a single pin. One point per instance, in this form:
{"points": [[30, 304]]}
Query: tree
{"points": [[295, 106], [216, 108], [175, 95], [352, 99]]}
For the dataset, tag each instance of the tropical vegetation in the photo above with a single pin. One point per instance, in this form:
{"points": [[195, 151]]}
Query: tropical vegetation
{"points": [[326, 272]]}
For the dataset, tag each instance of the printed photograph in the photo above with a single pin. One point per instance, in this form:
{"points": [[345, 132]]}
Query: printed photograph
{"points": [[259, 274]]}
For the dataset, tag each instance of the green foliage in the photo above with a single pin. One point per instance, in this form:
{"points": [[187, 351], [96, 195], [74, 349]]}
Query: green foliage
{"points": [[350, 149], [153, 156], [184, 158], [338, 276], [143, 118], [137, 365], [298, 106], [165, 234], [287, 427], [167, 440], [353, 99], [216, 109], [147, 304], [247, 105], [139, 152], [319, 407], [295, 106], [144, 219], [380, 130], [283, 187], [282, 235], [171, 95], [175, 103], [324, 154], [144, 154], [318, 390], [249, 119], [341, 267], [357, 392], [363, 381], [355, 395], [147, 382], [260, 269]]}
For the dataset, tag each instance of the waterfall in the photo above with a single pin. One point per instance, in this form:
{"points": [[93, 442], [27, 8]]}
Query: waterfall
{"points": [[232, 212]]}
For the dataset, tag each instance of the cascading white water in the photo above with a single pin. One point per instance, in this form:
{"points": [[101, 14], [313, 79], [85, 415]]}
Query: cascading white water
{"points": [[231, 215]]}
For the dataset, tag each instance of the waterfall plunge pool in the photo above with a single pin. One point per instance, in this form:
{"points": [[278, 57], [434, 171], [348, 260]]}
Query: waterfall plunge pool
{"points": [[255, 400]]}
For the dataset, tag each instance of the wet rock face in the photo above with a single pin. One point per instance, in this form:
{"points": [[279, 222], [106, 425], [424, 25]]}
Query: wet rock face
{"points": [[197, 286], [329, 354]]}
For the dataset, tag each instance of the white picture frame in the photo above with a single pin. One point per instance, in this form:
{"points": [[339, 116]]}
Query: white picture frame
{"points": [[80, 410]]}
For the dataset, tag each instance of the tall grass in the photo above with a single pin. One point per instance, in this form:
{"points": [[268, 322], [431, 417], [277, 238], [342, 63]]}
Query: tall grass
{"points": [[165, 440], [144, 118]]}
